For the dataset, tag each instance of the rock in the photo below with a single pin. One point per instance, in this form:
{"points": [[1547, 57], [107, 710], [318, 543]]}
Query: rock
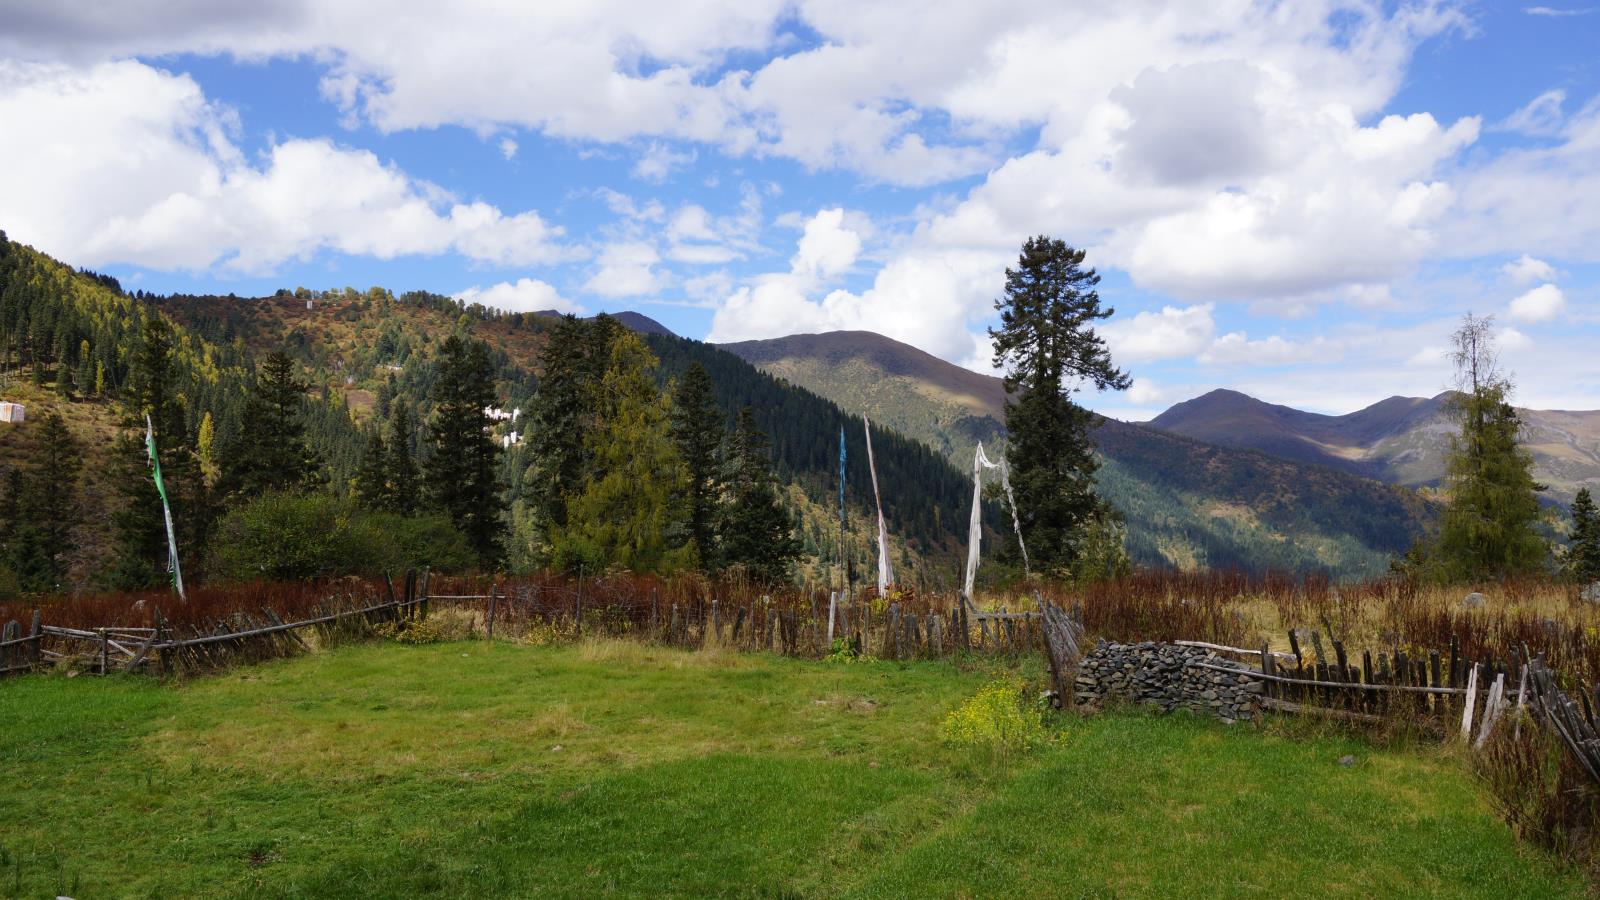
{"points": [[1473, 600], [1347, 760]]}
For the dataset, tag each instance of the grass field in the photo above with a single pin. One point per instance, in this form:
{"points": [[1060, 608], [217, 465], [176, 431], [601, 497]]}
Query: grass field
{"points": [[611, 768]]}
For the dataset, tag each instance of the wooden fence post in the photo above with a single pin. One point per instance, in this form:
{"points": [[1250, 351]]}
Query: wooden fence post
{"points": [[494, 596], [37, 633], [833, 603]]}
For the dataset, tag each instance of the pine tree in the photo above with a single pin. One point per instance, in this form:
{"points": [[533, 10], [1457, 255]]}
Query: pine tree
{"points": [[756, 531], [1048, 347], [48, 509], [205, 447], [1583, 547], [1489, 528], [629, 511], [268, 451], [461, 475], [697, 429]]}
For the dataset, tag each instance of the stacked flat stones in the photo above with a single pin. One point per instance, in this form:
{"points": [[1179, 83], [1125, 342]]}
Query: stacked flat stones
{"points": [[1164, 675]]}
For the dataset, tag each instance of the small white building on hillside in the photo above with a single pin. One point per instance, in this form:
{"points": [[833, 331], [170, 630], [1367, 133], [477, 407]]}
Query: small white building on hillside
{"points": [[11, 412]]}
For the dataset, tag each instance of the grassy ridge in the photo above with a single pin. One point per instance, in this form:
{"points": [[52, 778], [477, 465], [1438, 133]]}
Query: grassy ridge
{"points": [[470, 769]]}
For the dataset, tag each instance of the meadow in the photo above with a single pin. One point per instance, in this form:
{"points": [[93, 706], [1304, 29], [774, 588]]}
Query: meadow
{"points": [[614, 767]]}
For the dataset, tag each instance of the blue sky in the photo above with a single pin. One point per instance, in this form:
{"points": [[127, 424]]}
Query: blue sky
{"points": [[1297, 200]]}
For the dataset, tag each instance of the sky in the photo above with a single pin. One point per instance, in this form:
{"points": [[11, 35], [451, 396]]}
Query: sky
{"points": [[1297, 200]]}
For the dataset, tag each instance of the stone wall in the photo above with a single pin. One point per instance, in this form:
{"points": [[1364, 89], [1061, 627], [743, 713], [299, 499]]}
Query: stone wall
{"points": [[1165, 675]]}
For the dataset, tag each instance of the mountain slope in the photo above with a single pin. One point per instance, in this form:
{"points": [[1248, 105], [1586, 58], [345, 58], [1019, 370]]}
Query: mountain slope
{"points": [[1403, 440], [1187, 502]]}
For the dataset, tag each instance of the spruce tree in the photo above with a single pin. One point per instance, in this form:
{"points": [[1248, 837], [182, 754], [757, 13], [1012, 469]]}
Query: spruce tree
{"points": [[1489, 528], [462, 474], [268, 451], [756, 531], [1583, 547], [697, 429], [1048, 348]]}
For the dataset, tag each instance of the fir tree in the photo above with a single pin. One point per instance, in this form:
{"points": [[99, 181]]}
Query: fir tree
{"points": [[628, 513], [697, 429], [461, 474], [559, 420], [400, 468], [1048, 348], [372, 479], [138, 524], [757, 533], [1583, 547], [268, 451], [1488, 530], [47, 509]]}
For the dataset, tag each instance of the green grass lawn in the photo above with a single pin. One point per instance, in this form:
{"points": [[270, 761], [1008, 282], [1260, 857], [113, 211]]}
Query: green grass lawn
{"points": [[614, 769]]}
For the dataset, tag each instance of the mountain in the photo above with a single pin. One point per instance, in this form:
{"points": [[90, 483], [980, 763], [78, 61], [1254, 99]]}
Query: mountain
{"points": [[1187, 502], [639, 322], [1403, 440]]}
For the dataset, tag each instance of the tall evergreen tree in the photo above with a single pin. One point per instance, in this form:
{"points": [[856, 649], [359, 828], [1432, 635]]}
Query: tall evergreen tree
{"points": [[372, 479], [461, 474], [1048, 348], [400, 469], [559, 420], [268, 451], [1583, 547], [757, 532], [1488, 530], [138, 525], [629, 511], [697, 430]]}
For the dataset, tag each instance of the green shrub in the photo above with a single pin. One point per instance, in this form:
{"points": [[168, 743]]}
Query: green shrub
{"points": [[998, 718], [292, 536]]}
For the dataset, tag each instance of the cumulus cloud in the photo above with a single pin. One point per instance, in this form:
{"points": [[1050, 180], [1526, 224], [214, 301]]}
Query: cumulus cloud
{"points": [[627, 270], [1171, 333], [659, 160], [1526, 270], [523, 295], [1541, 304], [1235, 348], [508, 148], [827, 248], [128, 163]]}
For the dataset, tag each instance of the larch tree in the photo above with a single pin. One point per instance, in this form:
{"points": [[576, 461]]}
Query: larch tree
{"points": [[629, 512], [1048, 348], [1489, 528]]}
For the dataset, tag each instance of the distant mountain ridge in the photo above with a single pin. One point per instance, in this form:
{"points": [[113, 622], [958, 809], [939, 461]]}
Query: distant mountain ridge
{"points": [[635, 321], [1187, 502], [1402, 440]]}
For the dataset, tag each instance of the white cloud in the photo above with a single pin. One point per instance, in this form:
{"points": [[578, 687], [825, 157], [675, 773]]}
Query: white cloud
{"points": [[524, 295], [1513, 341], [1526, 270], [1552, 12], [827, 248], [1145, 392], [1542, 116], [659, 160], [1541, 304], [1171, 333], [627, 270], [128, 163], [508, 148], [1235, 348]]}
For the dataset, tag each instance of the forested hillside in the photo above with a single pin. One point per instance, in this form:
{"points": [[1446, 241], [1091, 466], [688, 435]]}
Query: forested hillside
{"points": [[370, 359]]}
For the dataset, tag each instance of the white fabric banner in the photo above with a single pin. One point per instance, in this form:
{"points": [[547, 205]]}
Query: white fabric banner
{"points": [[885, 569], [975, 531]]}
